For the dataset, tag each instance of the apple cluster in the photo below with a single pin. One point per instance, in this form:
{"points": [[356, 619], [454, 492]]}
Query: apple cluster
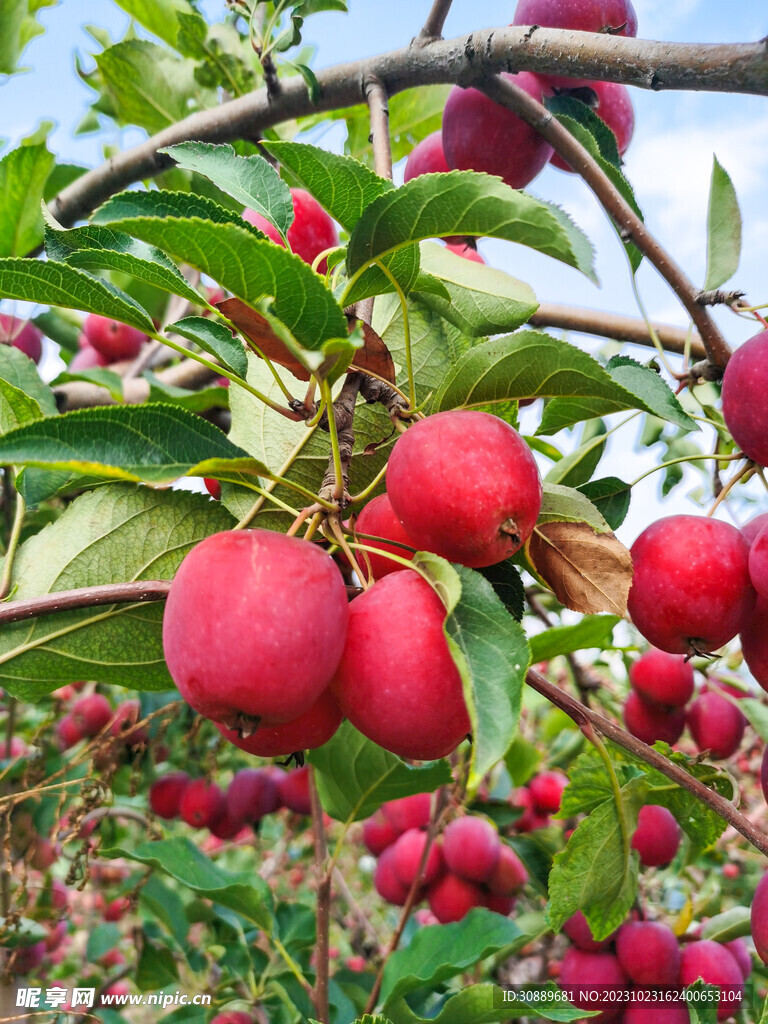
{"points": [[662, 685], [479, 134], [538, 800], [92, 716], [252, 794], [251, 609], [646, 955], [468, 866]]}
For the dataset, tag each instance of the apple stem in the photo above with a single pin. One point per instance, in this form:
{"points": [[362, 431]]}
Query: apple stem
{"points": [[15, 537], [578, 712]]}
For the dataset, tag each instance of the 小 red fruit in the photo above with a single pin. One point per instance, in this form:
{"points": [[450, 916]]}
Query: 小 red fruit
{"points": [[691, 591], [471, 847], [293, 790], [661, 678], [713, 964], [649, 952], [408, 811], [716, 725], [657, 836], [311, 232], [252, 793], [378, 519], [745, 410], [112, 339], [758, 563], [426, 157], [201, 803], [764, 775], [509, 875], [399, 685], [91, 713], [754, 642], [23, 335], [760, 919], [465, 485], [306, 732], [547, 791], [580, 934], [166, 792], [451, 898], [386, 882], [649, 722], [406, 858], [379, 833], [481, 135], [613, 106], [254, 627], [582, 971]]}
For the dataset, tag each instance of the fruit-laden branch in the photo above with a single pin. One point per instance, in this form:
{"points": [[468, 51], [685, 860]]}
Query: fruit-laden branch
{"points": [[630, 226], [617, 327], [582, 715], [732, 67]]}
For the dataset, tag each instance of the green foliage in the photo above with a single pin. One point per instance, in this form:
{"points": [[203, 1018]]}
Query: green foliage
{"points": [[23, 175], [723, 229], [18, 26]]}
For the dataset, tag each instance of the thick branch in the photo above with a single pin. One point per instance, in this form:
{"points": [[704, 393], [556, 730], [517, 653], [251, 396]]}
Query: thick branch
{"points": [[613, 325], [627, 221], [86, 597], [732, 67], [376, 97], [433, 26], [581, 714]]}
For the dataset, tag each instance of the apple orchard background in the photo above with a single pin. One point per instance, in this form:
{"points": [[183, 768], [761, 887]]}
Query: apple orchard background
{"points": [[669, 164]]}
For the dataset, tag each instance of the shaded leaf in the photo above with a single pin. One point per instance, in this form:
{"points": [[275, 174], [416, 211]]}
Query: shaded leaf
{"points": [[355, 776], [592, 631], [505, 579], [17, 369], [610, 496], [215, 339]]}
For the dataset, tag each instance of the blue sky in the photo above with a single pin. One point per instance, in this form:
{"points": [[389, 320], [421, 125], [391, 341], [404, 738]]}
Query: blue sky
{"points": [[669, 161]]}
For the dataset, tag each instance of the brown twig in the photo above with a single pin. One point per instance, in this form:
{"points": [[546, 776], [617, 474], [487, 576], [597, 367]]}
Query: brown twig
{"points": [[730, 67], [85, 597], [582, 715], [376, 98], [344, 412], [78, 394], [323, 910], [630, 226], [613, 325], [433, 26]]}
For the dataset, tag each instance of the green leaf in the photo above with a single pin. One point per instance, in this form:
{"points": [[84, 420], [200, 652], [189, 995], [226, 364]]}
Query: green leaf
{"points": [[481, 300], [651, 394], [600, 142], [19, 370], [153, 443], [355, 776], [578, 466], [57, 284], [246, 893], [18, 25], [97, 248], [592, 631], [723, 229], [164, 204], [464, 203], [597, 872], [342, 185], [111, 535], [757, 714], [561, 504], [166, 906], [731, 924], [16, 408], [194, 401], [215, 339], [156, 967], [530, 365], [63, 327], [101, 939], [610, 496], [505, 579], [23, 174], [439, 952], [482, 1004], [22, 931], [252, 269], [160, 17], [251, 180], [148, 86], [491, 653]]}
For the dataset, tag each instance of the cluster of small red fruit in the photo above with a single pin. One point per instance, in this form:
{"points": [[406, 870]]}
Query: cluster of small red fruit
{"points": [[399, 686], [647, 956], [251, 795], [662, 685], [92, 715], [468, 866]]}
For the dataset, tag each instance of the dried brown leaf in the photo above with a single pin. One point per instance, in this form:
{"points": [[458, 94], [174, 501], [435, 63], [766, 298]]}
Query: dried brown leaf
{"points": [[589, 572]]}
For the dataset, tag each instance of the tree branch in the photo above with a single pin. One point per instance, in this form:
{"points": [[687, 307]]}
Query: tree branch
{"points": [[630, 226], [376, 98], [613, 325], [433, 26], [80, 394], [581, 715], [731, 67], [86, 597]]}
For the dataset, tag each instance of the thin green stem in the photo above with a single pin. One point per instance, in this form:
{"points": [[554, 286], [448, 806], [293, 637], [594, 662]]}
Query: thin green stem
{"points": [[651, 329], [13, 544], [264, 493], [338, 469], [291, 964], [222, 371], [605, 757], [406, 330], [370, 488], [687, 458]]}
